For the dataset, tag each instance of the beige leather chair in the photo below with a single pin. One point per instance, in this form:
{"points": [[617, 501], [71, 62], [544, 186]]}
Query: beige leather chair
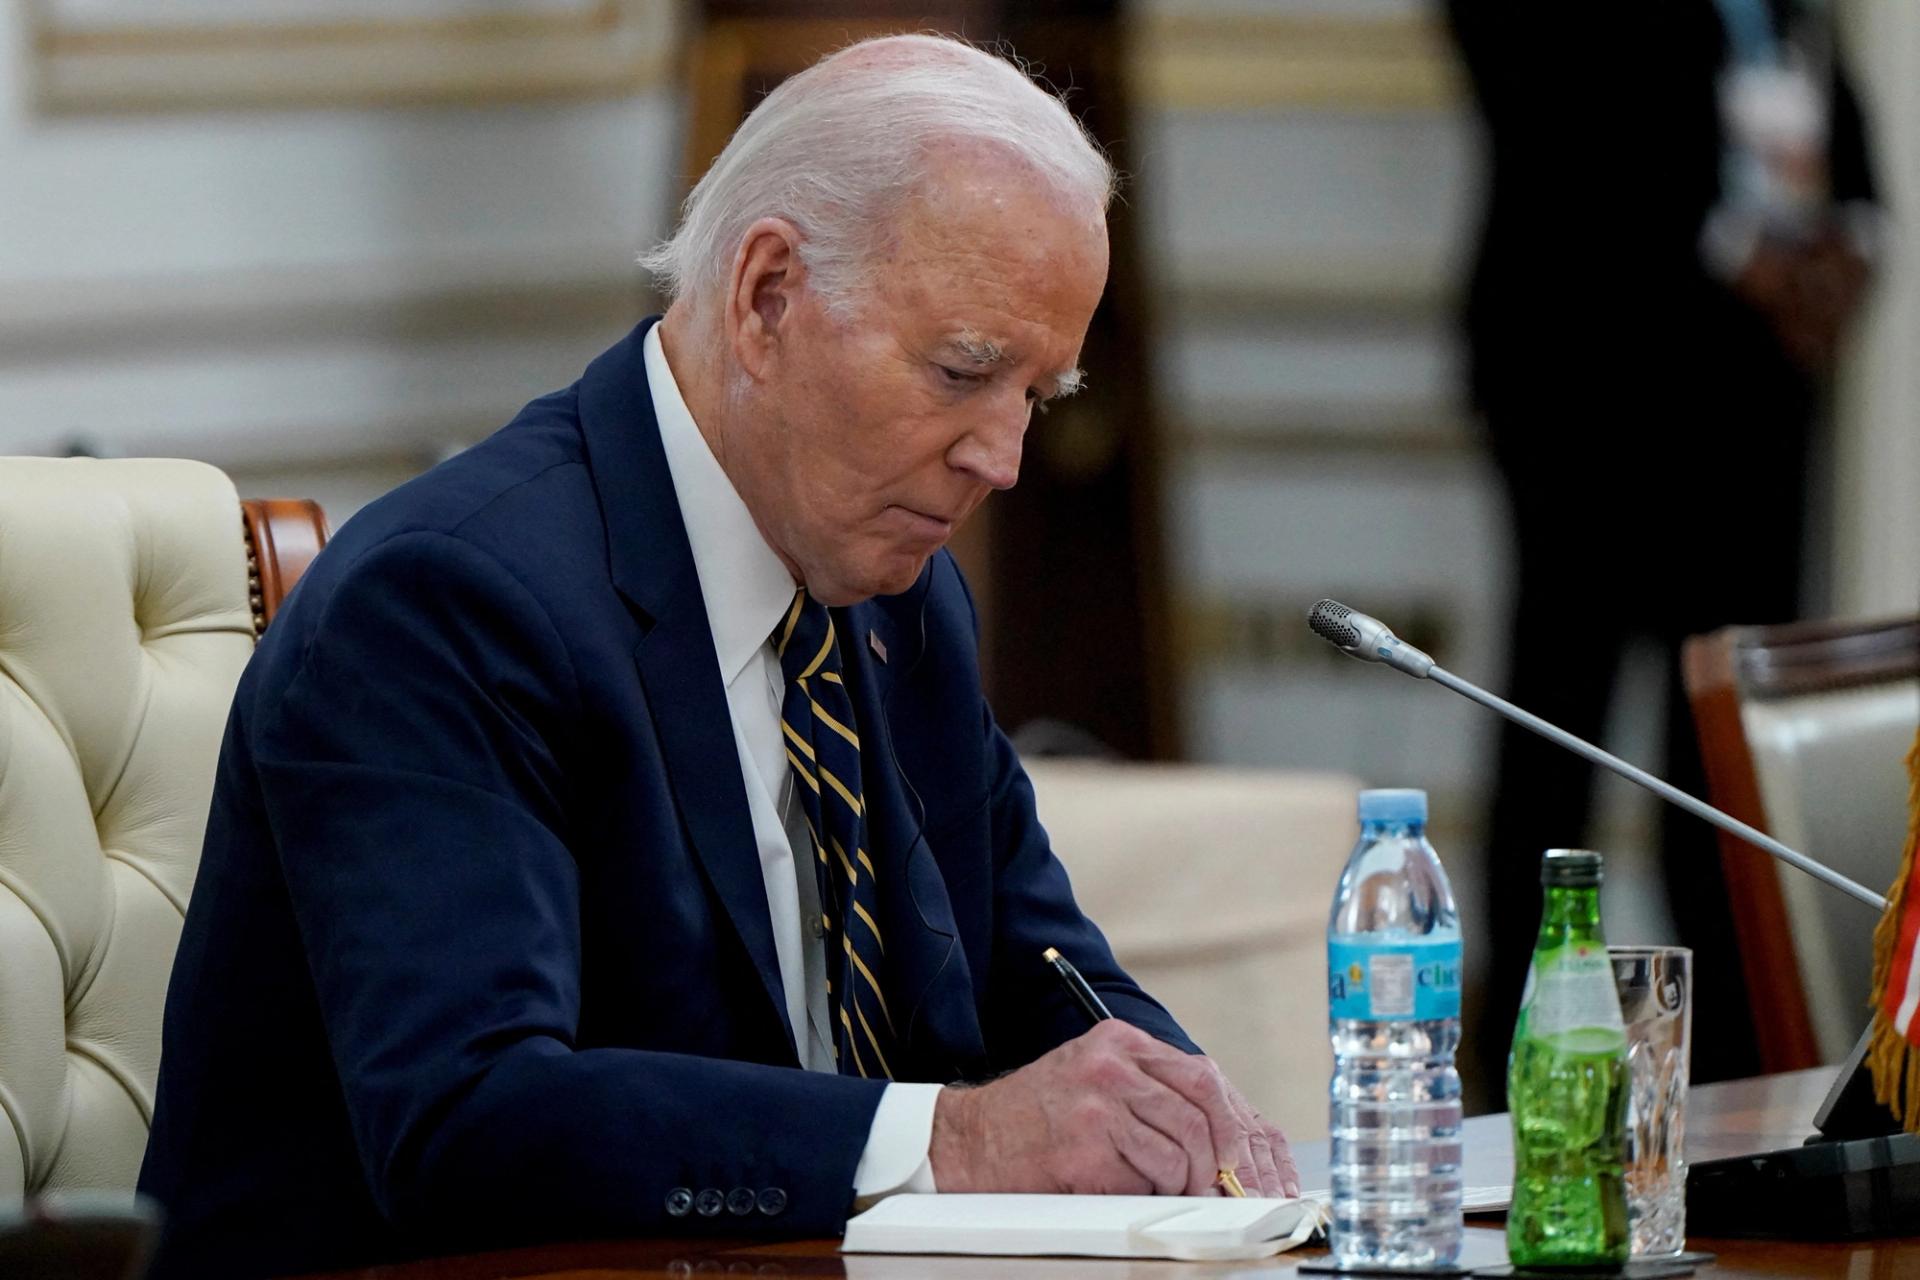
{"points": [[1213, 885], [1804, 730], [131, 593]]}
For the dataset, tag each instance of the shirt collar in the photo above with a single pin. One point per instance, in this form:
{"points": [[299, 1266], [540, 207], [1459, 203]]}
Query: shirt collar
{"points": [[746, 587]]}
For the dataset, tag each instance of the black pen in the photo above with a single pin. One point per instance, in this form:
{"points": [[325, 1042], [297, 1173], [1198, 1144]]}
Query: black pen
{"points": [[1090, 1004], [1083, 995]]}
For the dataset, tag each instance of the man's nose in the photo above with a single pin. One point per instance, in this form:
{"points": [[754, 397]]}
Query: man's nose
{"points": [[991, 451]]}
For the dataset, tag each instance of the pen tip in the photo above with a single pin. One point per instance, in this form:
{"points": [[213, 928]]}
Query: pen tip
{"points": [[1050, 954]]}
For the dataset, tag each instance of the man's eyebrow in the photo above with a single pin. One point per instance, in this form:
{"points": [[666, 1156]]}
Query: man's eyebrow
{"points": [[984, 353], [1068, 382], [980, 352]]}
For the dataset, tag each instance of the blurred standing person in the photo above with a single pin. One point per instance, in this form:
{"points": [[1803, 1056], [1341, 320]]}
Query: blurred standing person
{"points": [[1677, 228]]}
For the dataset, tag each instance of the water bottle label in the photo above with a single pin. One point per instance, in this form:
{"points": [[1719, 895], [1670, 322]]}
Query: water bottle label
{"points": [[1417, 981]]}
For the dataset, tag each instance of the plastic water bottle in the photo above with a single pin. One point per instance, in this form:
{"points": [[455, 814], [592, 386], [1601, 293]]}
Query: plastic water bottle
{"points": [[1393, 996]]}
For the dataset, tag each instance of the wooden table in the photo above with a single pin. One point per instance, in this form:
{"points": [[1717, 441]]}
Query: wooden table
{"points": [[1738, 1118]]}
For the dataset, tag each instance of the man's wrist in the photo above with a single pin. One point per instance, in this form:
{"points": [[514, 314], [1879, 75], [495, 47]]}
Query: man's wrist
{"points": [[956, 1137]]}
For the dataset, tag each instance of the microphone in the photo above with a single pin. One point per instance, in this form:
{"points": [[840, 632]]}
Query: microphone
{"points": [[1370, 640], [1358, 636]]}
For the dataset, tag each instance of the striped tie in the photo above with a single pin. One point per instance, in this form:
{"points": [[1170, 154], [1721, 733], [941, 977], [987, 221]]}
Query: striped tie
{"points": [[816, 720]]}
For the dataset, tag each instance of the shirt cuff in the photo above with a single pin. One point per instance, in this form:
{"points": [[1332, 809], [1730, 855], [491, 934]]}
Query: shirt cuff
{"points": [[898, 1155]]}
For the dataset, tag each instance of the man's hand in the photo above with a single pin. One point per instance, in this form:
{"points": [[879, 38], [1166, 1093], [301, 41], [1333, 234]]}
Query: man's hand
{"points": [[1113, 1112], [1807, 292], [1273, 1169]]}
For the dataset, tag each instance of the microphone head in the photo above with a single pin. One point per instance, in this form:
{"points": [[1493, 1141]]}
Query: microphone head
{"points": [[1331, 621], [1367, 638]]}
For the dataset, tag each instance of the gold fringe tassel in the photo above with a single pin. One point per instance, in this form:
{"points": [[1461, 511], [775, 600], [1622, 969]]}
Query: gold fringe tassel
{"points": [[1893, 1061]]}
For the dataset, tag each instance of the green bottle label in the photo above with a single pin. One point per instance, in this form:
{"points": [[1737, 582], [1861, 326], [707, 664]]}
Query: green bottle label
{"points": [[1570, 998]]}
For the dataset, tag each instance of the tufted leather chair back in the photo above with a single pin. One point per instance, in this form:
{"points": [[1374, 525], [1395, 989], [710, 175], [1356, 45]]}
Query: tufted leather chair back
{"points": [[1234, 954], [127, 610], [1831, 764]]}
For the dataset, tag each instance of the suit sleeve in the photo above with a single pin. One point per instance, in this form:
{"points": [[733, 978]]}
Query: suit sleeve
{"points": [[415, 775], [1034, 909], [1027, 1012]]}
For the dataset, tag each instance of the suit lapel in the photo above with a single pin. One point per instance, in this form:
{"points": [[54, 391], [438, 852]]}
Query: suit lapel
{"points": [[928, 975], [651, 563]]}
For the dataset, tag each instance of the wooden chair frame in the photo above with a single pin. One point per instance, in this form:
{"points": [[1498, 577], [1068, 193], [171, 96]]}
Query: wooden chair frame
{"points": [[1722, 671], [283, 536]]}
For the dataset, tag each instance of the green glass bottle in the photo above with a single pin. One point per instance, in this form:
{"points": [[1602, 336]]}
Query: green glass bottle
{"points": [[1567, 1084]]}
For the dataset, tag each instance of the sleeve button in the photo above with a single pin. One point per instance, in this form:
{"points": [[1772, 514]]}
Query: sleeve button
{"points": [[773, 1201], [679, 1200], [709, 1202], [740, 1201]]}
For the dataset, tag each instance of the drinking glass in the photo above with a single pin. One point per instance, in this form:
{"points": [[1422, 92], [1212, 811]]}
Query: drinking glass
{"points": [[1656, 1001]]}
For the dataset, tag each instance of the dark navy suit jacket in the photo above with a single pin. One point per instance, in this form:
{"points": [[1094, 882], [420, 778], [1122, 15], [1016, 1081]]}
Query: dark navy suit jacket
{"points": [[479, 950]]}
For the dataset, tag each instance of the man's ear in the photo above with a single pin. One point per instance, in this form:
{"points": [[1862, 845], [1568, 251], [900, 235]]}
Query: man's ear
{"points": [[762, 290]]}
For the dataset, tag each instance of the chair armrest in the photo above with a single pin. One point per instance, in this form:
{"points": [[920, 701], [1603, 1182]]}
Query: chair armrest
{"points": [[283, 537]]}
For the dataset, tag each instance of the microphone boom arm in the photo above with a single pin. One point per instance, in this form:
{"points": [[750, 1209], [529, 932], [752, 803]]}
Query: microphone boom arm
{"points": [[1666, 791]]}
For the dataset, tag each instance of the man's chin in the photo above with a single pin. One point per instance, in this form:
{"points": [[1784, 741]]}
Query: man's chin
{"points": [[894, 575], [904, 580]]}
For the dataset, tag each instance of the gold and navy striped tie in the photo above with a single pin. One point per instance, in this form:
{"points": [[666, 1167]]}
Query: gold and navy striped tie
{"points": [[823, 749]]}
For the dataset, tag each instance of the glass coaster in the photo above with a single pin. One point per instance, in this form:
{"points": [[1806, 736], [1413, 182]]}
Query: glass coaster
{"points": [[1633, 1269], [1327, 1267]]}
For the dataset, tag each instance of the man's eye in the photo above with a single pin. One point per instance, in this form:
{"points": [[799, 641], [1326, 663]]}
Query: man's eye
{"points": [[959, 377]]}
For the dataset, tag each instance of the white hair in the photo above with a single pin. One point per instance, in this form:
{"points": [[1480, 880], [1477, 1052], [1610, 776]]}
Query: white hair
{"points": [[838, 148]]}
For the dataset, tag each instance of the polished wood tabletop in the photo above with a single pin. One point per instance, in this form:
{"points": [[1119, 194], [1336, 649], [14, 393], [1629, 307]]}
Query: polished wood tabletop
{"points": [[1737, 1118]]}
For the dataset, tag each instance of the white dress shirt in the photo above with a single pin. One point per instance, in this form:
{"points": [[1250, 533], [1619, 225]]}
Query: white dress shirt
{"points": [[748, 592]]}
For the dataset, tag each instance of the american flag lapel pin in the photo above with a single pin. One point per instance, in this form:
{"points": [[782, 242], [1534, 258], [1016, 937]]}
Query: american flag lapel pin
{"points": [[873, 643]]}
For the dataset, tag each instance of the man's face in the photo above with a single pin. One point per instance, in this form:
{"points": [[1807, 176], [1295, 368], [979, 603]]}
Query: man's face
{"points": [[882, 432]]}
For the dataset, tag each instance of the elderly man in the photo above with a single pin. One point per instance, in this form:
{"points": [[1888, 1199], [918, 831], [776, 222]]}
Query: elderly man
{"points": [[611, 837]]}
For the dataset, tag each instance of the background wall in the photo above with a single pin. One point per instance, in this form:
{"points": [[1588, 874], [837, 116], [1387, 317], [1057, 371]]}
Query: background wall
{"points": [[1876, 562], [318, 298]]}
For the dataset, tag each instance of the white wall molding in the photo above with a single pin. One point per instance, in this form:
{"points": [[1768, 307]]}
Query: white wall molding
{"points": [[221, 56], [1238, 59], [1317, 287], [44, 321]]}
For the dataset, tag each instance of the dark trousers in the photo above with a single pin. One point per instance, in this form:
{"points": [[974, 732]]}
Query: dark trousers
{"points": [[1624, 531]]}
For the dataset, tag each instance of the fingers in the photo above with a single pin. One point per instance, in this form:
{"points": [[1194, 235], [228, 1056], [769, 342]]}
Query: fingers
{"points": [[1164, 1113], [1272, 1157], [1160, 1133], [1114, 1111], [1283, 1161], [1263, 1178], [1162, 1164], [1198, 1081], [1256, 1176]]}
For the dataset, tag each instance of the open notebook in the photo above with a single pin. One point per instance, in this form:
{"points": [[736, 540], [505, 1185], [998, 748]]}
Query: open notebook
{"points": [[1199, 1228]]}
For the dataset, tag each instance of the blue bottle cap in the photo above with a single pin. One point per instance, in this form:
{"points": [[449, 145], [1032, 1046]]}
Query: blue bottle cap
{"points": [[1396, 804]]}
